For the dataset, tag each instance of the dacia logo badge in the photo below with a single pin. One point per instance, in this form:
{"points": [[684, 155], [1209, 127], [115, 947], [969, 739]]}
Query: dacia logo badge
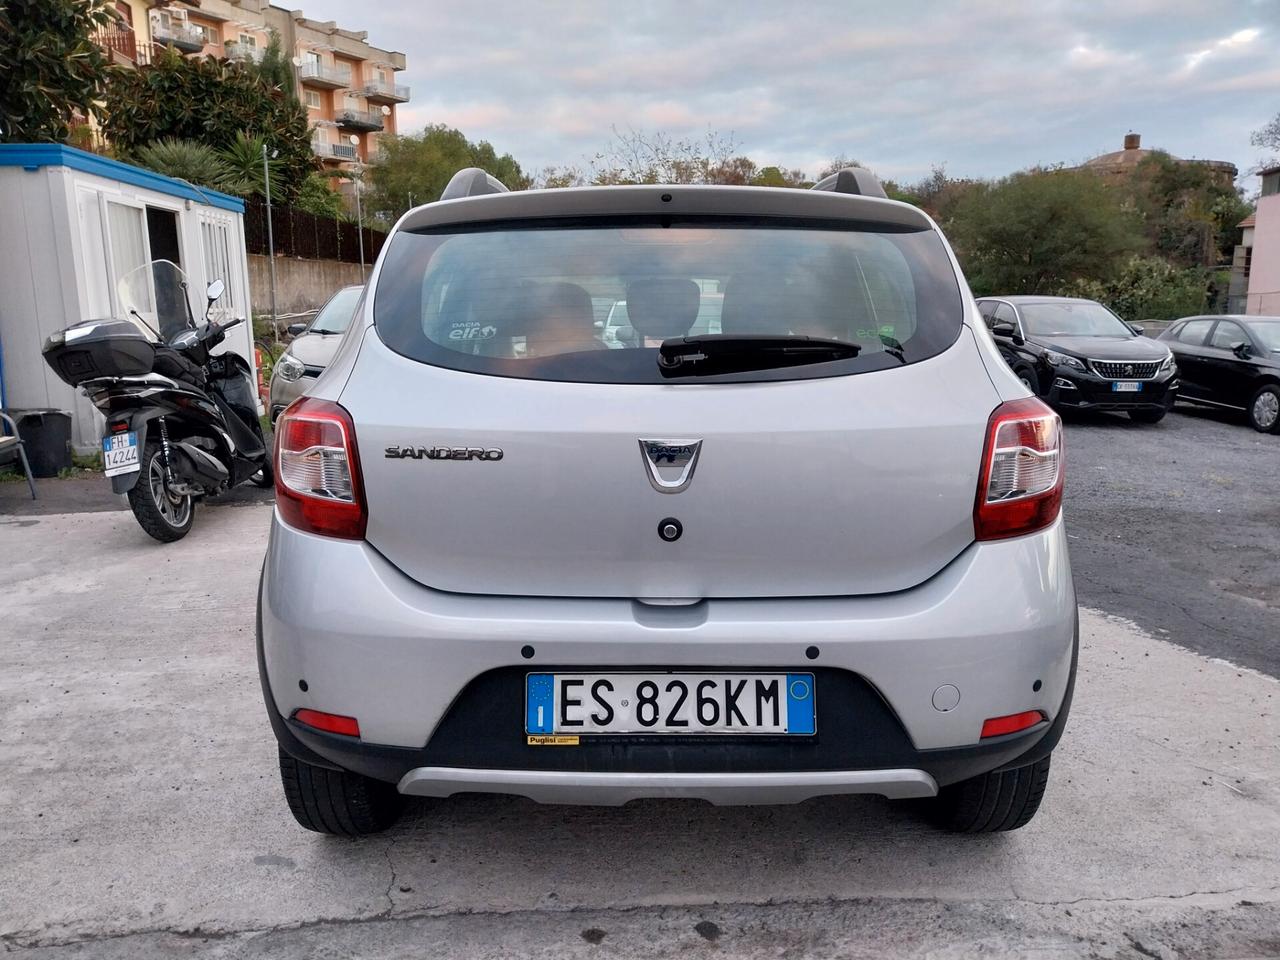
{"points": [[670, 463]]}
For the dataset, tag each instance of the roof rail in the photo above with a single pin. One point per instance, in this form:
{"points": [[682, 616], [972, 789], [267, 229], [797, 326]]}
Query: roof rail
{"points": [[856, 180], [472, 182]]}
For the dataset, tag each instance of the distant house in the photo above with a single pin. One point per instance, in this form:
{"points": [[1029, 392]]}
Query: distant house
{"points": [[1241, 264], [1264, 256], [1125, 161], [75, 224]]}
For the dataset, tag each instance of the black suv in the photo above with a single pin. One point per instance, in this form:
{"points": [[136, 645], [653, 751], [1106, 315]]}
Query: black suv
{"points": [[1077, 354]]}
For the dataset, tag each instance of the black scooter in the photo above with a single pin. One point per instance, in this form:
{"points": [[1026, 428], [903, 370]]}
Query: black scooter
{"points": [[181, 423]]}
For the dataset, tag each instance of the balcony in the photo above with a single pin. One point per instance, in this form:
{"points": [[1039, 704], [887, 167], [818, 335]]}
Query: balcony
{"points": [[335, 151], [376, 92], [243, 53], [324, 77], [183, 36], [119, 41], [359, 119]]}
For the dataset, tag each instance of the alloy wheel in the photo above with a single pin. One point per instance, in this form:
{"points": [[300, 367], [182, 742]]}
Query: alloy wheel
{"points": [[1266, 408], [175, 509]]}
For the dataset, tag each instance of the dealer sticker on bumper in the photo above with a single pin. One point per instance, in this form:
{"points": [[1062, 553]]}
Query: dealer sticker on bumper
{"points": [[559, 706]]}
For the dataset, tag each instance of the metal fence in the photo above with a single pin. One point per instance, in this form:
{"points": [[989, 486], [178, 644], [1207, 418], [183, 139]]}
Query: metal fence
{"points": [[304, 235]]}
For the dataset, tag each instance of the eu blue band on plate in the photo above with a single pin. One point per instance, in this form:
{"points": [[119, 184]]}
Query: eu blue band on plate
{"points": [[539, 702], [800, 713]]}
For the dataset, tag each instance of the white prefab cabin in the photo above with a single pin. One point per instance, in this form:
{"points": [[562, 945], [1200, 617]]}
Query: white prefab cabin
{"points": [[71, 225]]}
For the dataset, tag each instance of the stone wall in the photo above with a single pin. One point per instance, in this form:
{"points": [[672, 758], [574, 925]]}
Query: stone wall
{"points": [[301, 285]]}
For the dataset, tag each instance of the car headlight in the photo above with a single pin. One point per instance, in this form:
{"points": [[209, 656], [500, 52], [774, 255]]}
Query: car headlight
{"points": [[1167, 366], [1062, 360], [290, 367]]}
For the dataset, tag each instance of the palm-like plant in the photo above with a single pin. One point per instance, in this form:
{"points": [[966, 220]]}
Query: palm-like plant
{"points": [[188, 160], [243, 158]]}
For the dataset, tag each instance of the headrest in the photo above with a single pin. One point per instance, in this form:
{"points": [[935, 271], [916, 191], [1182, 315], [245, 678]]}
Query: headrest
{"points": [[663, 307]]}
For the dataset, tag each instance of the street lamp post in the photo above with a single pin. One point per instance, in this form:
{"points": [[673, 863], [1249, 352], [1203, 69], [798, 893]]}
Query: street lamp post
{"points": [[271, 240], [355, 142]]}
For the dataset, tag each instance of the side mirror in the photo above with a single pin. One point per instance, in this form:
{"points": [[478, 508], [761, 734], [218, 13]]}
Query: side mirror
{"points": [[295, 329], [599, 324], [215, 290], [1138, 328], [1003, 328], [1242, 350]]}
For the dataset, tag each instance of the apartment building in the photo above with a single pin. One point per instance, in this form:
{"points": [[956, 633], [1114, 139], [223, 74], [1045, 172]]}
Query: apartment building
{"points": [[348, 86]]}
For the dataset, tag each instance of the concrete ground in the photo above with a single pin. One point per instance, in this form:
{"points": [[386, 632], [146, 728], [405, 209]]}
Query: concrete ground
{"points": [[141, 815]]}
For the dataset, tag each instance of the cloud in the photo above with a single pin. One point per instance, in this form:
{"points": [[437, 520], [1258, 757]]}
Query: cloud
{"points": [[987, 87]]}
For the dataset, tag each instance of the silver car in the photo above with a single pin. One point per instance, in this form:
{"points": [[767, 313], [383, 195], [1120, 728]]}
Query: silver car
{"points": [[313, 347], [817, 552]]}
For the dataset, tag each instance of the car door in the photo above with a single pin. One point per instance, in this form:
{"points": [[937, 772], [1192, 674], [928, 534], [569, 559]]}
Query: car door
{"points": [[1192, 357], [1228, 376]]}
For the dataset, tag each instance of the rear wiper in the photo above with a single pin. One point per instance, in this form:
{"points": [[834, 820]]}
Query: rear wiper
{"points": [[716, 353]]}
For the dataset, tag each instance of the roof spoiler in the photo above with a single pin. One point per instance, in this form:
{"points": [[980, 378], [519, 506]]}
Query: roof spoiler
{"points": [[472, 182], [855, 180]]}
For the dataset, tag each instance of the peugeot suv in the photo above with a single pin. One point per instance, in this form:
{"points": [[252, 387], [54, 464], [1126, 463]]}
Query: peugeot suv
{"points": [[1078, 355], [815, 550]]}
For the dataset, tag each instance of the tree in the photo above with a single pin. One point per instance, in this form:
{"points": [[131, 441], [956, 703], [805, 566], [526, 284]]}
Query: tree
{"points": [[213, 102], [1149, 288], [1268, 138], [416, 168], [1189, 213], [1037, 231], [50, 67], [274, 68], [197, 163], [637, 156]]}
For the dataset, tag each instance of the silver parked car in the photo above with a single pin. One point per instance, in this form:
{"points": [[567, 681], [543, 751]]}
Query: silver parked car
{"points": [[817, 552], [312, 348]]}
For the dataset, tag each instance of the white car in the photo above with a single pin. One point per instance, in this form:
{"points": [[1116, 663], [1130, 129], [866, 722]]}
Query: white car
{"points": [[819, 551]]}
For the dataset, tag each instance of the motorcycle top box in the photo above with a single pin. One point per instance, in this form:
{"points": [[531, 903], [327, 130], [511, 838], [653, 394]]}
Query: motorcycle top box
{"points": [[99, 348]]}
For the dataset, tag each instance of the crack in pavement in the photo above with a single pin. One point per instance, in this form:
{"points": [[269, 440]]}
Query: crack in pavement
{"points": [[19, 940]]}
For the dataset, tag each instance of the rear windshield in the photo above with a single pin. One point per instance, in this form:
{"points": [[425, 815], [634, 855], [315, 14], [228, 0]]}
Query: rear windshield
{"points": [[591, 301]]}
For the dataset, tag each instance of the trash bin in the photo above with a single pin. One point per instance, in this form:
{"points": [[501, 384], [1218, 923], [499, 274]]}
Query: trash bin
{"points": [[47, 437]]}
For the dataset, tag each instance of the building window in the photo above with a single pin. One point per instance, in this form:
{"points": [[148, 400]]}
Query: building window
{"points": [[313, 100], [311, 59], [248, 40]]}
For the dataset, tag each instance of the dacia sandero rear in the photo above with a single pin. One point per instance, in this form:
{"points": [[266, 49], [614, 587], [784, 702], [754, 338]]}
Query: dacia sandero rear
{"points": [[793, 530]]}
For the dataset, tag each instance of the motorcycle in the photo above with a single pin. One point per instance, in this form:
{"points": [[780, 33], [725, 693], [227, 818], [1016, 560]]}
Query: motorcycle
{"points": [[181, 423]]}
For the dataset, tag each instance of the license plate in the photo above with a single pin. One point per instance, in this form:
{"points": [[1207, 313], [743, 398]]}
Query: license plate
{"points": [[1126, 386], [670, 703], [120, 453]]}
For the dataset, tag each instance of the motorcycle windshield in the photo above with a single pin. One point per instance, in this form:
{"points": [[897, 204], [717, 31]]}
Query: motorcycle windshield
{"points": [[155, 294]]}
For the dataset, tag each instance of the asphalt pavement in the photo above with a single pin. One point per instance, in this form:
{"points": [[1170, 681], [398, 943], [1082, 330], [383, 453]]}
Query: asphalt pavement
{"points": [[1176, 525]]}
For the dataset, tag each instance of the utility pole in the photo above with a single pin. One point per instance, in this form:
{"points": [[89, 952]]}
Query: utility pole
{"points": [[359, 179], [271, 242]]}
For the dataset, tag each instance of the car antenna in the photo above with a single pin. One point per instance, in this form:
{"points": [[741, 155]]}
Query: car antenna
{"points": [[854, 180], [472, 182]]}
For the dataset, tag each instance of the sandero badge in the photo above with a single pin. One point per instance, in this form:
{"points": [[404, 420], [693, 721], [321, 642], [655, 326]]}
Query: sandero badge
{"points": [[443, 453]]}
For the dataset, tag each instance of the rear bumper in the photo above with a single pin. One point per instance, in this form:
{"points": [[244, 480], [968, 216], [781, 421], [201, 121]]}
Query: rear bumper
{"points": [[432, 677], [614, 789]]}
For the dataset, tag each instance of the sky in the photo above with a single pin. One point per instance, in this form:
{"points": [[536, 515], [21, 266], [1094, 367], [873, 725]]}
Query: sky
{"points": [[984, 88]]}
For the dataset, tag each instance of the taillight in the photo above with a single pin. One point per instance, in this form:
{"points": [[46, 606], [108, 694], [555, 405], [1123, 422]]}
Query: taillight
{"points": [[328, 722], [318, 487], [1020, 486]]}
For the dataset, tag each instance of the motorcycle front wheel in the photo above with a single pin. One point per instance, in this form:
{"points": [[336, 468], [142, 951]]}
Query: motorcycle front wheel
{"points": [[166, 516]]}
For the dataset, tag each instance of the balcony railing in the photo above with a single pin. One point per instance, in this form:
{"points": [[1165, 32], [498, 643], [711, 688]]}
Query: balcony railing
{"points": [[335, 151], [319, 75], [359, 119], [244, 53], [181, 35], [376, 91], [121, 42]]}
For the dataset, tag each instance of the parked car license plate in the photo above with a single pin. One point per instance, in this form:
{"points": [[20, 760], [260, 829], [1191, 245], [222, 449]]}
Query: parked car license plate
{"points": [[670, 703], [120, 453], [1126, 386]]}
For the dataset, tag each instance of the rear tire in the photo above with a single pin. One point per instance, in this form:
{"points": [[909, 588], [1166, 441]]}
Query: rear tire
{"points": [[993, 802], [265, 477], [164, 516], [1264, 409], [337, 802]]}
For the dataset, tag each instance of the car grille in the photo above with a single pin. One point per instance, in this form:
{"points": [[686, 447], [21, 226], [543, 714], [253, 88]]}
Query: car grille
{"points": [[1125, 369]]}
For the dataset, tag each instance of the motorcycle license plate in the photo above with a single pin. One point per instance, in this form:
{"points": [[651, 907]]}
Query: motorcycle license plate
{"points": [[120, 453]]}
